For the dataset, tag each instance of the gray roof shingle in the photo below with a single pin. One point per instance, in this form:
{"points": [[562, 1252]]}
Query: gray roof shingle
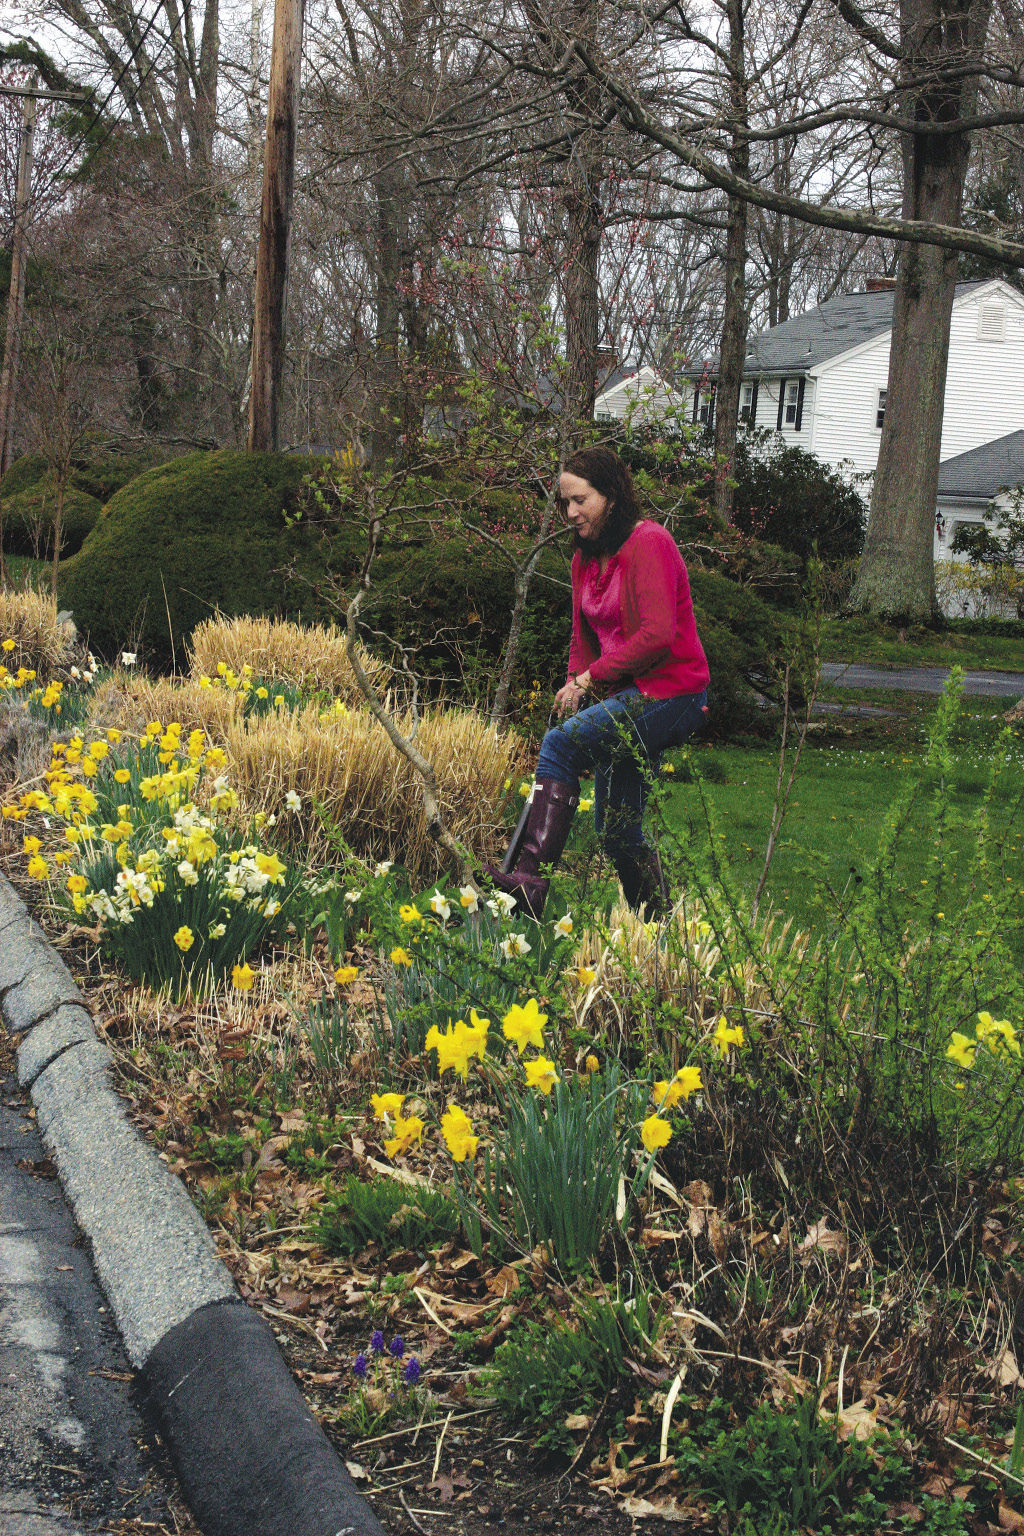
{"points": [[834, 327], [983, 472]]}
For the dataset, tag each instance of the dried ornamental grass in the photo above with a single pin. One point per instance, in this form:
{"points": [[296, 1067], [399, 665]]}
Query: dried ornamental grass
{"points": [[30, 620], [131, 701], [344, 761], [289, 653], [633, 963]]}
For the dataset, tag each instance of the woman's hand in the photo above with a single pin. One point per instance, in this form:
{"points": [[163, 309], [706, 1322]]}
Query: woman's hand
{"points": [[569, 698]]}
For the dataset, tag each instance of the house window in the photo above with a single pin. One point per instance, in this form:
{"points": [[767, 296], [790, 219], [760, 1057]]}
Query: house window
{"points": [[746, 403], [880, 408], [792, 405], [706, 411]]}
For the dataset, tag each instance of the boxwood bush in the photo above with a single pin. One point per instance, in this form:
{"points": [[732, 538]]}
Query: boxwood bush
{"points": [[205, 533], [28, 519]]}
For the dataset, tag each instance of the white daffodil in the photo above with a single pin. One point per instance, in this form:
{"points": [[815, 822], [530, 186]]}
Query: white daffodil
{"points": [[502, 903], [440, 906], [564, 926], [468, 898], [384, 867], [129, 658], [515, 946], [292, 801], [351, 897]]}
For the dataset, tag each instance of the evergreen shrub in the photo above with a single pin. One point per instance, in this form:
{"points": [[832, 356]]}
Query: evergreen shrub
{"points": [[791, 498], [28, 519], [205, 533]]}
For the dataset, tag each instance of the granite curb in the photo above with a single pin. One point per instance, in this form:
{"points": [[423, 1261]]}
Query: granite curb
{"points": [[251, 1457]]}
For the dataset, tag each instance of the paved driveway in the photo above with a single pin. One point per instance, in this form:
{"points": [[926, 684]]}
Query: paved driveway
{"points": [[851, 674]]}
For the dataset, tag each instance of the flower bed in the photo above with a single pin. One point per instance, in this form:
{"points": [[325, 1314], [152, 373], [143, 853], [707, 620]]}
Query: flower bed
{"points": [[720, 1218]]}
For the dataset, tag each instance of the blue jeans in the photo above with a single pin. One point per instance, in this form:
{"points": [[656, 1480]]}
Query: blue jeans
{"points": [[621, 740]]}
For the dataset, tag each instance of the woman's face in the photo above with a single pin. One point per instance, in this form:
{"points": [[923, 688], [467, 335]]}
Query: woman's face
{"points": [[585, 508]]}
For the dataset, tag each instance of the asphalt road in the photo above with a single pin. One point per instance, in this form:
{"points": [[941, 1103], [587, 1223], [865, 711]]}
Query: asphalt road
{"points": [[75, 1457], [848, 674]]}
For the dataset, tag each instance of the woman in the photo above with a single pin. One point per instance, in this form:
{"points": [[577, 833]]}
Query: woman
{"points": [[637, 684]]}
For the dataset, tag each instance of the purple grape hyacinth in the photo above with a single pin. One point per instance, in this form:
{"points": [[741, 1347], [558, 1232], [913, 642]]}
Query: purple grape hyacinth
{"points": [[359, 1366], [377, 1342], [397, 1347], [412, 1371]]}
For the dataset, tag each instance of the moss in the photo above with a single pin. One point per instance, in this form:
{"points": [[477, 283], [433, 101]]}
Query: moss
{"points": [[205, 533], [28, 519]]}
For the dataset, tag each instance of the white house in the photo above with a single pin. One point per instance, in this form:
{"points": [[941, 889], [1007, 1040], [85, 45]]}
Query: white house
{"points": [[642, 394], [820, 379], [970, 483]]}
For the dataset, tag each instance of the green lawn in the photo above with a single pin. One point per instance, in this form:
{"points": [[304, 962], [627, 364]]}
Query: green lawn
{"points": [[887, 645], [835, 815]]}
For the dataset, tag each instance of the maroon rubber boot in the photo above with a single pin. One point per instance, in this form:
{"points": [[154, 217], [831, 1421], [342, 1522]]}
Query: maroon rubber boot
{"points": [[552, 810]]}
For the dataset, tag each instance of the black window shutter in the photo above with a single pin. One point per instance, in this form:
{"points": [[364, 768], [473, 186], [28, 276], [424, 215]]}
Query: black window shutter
{"points": [[696, 403], [752, 417], [782, 404], [711, 408], [799, 406]]}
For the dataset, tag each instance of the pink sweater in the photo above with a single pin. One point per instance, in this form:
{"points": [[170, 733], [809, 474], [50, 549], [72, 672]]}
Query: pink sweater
{"points": [[660, 651]]}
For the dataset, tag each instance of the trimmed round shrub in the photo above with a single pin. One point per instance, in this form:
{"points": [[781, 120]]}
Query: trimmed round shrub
{"points": [[791, 498], [28, 519], [23, 474], [205, 533], [739, 633]]}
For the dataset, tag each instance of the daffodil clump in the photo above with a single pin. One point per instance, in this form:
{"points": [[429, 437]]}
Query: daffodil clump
{"points": [[60, 701], [563, 1161], [148, 854], [259, 695]]}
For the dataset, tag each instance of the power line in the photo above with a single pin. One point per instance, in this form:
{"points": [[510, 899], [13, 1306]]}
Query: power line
{"points": [[114, 88]]}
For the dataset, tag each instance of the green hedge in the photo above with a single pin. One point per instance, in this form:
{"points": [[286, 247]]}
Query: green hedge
{"points": [[204, 533], [27, 519]]}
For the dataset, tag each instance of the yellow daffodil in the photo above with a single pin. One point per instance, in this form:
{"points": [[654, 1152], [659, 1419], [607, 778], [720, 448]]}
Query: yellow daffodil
{"points": [[346, 974], [668, 1094], [524, 1025], [409, 914], [458, 1043], [385, 1104], [585, 975], [727, 1035], [655, 1132], [962, 1050], [242, 977], [31, 844], [541, 1074], [457, 1130], [400, 956], [77, 884], [37, 867], [406, 1132], [591, 1065]]}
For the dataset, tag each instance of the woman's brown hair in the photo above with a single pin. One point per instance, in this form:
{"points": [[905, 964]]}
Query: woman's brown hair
{"points": [[604, 470]]}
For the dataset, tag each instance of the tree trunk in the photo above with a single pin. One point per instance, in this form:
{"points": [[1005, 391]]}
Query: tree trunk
{"points": [[275, 224], [896, 578], [734, 318], [584, 227]]}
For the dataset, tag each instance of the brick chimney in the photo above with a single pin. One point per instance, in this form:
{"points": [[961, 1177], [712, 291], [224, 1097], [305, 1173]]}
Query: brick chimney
{"points": [[880, 285]]}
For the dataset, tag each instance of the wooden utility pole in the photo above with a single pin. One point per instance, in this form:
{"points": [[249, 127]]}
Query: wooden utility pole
{"points": [[16, 296], [275, 224]]}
